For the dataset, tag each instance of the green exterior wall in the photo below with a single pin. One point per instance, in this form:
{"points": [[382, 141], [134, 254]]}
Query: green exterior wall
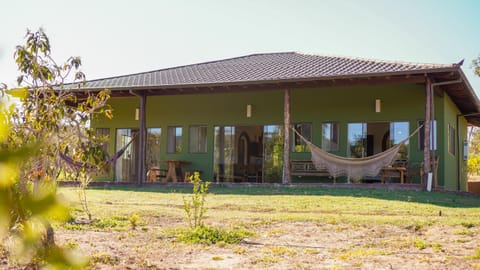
{"points": [[449, 167], [342, 104]]}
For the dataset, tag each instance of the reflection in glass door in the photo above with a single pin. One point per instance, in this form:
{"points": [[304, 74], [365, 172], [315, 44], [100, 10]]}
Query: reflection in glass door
{"points": [[126, 165], [367, 139], [224, 153], [273, 153]]}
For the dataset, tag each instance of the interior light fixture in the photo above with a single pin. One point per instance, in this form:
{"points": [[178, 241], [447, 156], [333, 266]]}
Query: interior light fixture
{"points": [[249, 110], [137, 113], [378, 105]]}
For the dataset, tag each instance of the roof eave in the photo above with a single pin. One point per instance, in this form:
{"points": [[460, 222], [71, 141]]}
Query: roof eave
{"points": [[278, 81]]}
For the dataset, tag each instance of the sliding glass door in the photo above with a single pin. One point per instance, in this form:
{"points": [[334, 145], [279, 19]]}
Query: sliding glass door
{"points": [[273, 154], [248, 153], [126, 164]]}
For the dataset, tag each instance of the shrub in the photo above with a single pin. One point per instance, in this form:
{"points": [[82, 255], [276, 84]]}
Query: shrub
{"points": [[212, 235]]}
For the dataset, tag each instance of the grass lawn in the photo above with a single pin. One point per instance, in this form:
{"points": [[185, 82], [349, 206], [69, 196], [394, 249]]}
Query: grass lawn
{"points": [[301, 227]]}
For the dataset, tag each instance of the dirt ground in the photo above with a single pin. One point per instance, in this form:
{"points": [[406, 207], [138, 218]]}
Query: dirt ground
{"points": [[286, 245]]}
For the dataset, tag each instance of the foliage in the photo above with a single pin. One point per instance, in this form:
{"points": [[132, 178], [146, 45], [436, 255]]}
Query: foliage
{"points": [[46, 121], [195, 206], [476, 65], [52, 117], [24, 216], [473, 164], [212, 235]]}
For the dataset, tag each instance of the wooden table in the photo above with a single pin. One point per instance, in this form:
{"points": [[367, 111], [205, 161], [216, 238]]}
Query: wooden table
{"points": [[175, 169], [393, 172]]}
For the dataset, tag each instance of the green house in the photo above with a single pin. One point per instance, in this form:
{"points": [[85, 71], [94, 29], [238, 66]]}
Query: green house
{"points": [[227, 118]]}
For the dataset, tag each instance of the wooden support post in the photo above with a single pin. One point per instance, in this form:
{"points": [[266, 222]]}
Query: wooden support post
{"points": [[286, 176], [432, 137], [427, 129], [142, 142]]}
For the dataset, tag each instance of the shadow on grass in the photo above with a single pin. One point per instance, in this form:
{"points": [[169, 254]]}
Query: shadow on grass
{"points": [[439, 198]]}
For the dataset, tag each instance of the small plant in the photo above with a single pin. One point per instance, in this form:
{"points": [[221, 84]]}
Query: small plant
{"points": [[468, 225], [71, 245], [281, 251], [134, 218], [195, 206], [117, 222], [105, 258], [266, 260], [362, 252], [217, 258], [420, 244], [240, 251], [464, 231], [475, 256]]}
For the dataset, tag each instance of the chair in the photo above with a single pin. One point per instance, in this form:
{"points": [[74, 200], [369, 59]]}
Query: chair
{"points": [[155, 174], [397, 170], [414, 171]]}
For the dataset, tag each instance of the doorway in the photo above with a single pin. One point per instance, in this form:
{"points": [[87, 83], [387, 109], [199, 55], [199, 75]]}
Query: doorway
{"points": [[126, 165]]}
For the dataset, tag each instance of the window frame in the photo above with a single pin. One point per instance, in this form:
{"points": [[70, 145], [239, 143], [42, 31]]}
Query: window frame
{"points": [[333, 135], [174, 141], [297, 141], [421, 136], [451, 140], [201, 145]]}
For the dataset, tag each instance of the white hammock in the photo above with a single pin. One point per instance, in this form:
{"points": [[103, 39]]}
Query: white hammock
{"points": [[353, 168]]}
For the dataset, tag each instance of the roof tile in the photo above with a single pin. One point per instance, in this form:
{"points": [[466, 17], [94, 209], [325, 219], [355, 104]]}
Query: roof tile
{"points": [[258, 68]]}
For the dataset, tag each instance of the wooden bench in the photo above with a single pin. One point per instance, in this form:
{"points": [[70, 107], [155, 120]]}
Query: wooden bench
{"points": [[300, 167]]}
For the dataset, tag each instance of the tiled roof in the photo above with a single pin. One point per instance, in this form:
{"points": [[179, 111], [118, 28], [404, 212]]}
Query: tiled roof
{"points": [[266, 67]]}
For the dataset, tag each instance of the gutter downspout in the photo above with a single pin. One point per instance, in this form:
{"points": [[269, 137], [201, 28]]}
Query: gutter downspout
{"points": [[142, 146]]}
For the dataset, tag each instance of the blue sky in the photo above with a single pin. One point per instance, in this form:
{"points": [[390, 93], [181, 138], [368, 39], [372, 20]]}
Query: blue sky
{"points": [[115, 37]]}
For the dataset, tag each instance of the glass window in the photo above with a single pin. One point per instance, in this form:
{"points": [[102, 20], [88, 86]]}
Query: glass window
{"points": [[421, 136], [399, 131], [198, 139], [104, 134], [174, 137], [357, 136], [367, 139], [451, 139], [305, 130], [330, 136]]}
